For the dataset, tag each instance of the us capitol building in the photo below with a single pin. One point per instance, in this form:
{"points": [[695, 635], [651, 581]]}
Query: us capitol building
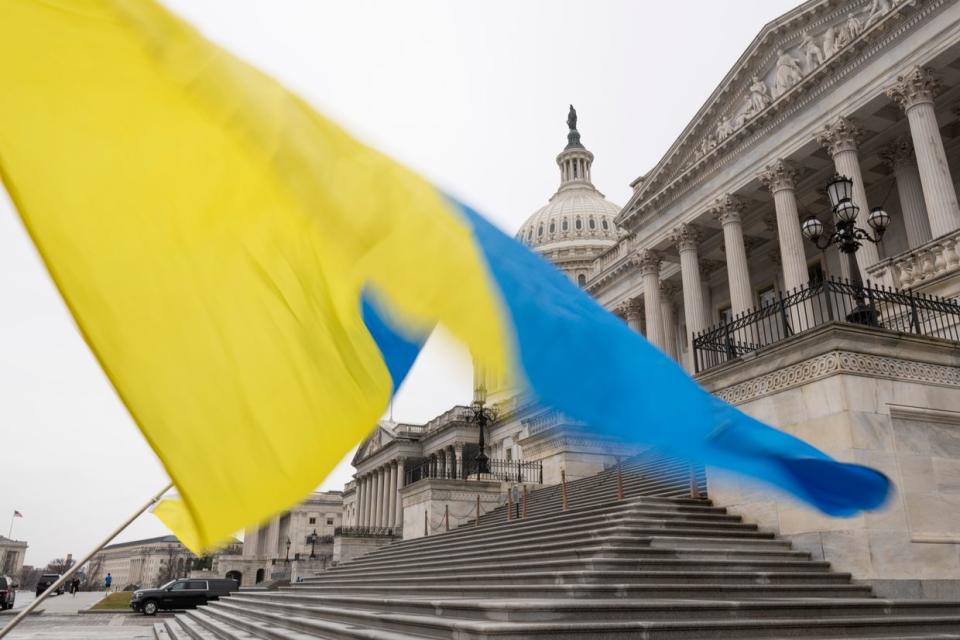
{"points": [[714, 258]]}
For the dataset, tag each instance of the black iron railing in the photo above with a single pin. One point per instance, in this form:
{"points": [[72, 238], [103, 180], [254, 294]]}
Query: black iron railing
{"points": [[369, 532], [830, 301], [504, 470]]}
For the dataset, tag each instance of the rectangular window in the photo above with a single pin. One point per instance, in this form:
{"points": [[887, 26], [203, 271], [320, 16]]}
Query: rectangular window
{"points": [[313, 521], [509, 453], [330, 521], [726, 314]]}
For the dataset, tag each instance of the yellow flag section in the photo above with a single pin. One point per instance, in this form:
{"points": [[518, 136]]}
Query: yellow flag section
{"points": [[212, 236]]}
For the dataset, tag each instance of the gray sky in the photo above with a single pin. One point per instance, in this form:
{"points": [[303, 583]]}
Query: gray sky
{"points": [[474, 96]]}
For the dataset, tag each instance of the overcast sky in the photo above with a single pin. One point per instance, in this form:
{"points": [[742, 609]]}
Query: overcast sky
{"points": [[472, 95]]}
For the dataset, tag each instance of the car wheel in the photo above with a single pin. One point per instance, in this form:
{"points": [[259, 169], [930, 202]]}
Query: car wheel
{"points": [[150, 608]]}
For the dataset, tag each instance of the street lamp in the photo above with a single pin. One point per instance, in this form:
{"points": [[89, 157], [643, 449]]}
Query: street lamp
{"points": [[288, 549], [482, 416], [848, 238], [312, 539]]}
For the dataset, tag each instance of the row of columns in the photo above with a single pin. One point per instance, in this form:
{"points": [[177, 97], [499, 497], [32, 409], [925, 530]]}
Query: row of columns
{"points": [[449, 460], [378, 496], [927, 196]]}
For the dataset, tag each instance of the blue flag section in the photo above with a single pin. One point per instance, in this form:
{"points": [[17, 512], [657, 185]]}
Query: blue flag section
{"points": [[582, 360]]}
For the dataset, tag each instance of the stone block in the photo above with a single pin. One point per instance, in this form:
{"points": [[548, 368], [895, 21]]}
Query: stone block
{"points": [[894, 555]]}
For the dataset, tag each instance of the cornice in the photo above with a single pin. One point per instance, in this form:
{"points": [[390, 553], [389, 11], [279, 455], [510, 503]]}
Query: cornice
{"points": [[659, 190]]}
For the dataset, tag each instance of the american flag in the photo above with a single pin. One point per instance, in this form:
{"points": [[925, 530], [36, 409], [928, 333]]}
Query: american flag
{"points": [[17, 514]]}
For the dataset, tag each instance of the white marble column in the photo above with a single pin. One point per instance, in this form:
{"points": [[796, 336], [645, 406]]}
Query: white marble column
{"points": [[840, 140], [391, 495], [668, 320], [914, 92], [357, 502], [727, 209], [384, 499], [687, 238], [649, 263], [898, 156], [458, 454], [401, 479], [780, 178], [632, 311], [364, 518], [377, 498]]}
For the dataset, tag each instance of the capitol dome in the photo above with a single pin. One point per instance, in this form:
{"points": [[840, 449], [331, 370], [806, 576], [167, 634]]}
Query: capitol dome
{"points": [[577, 224]]}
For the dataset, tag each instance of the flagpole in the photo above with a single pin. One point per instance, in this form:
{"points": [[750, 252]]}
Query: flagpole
{"points": [[72, 570], [10, 530]]}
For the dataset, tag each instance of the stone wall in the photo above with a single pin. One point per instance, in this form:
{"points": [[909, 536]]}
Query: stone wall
{"points": [[426, 503], [890, 401]]}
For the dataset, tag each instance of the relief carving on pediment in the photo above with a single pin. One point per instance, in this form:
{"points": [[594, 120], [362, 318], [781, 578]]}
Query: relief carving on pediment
{"points": [[789, 66]]}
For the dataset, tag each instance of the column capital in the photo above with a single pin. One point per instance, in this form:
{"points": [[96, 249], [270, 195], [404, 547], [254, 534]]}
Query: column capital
{"points": [[709, 267], [843, 134], [727, 209], [649, 262], [896, 153], [630, 309], [914, 87], [779, 175], [668, 291], [685, 236]]}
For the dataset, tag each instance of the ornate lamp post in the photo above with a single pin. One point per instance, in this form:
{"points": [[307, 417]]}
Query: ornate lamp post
{"points": [[482, 416], [312, 539], [288, 549], [848, 238]]}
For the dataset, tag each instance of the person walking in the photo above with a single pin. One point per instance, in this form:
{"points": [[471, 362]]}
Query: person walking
{"points": [[74, 587], [107, 582]]}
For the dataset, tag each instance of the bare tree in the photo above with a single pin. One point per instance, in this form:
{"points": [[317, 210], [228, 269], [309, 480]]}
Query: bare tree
{"points": [[92, 572], [60, 565]]}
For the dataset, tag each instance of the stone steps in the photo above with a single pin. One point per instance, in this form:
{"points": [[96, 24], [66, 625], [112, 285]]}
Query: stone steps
{"points": [[558, 610], [474, 589], [440, 568], [650, 566], [301, 619]]}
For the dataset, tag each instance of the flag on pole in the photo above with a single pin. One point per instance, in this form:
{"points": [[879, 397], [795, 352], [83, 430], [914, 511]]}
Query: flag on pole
{"points": [[256, 283], [17, 514]]}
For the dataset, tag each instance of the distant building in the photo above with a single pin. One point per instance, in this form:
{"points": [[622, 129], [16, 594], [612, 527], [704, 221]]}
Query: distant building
{"points": [[146, 563], [12, 553], [300, 539]]}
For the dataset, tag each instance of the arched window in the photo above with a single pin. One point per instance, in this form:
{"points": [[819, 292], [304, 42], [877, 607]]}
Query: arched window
{"points": [[578, 224], [539, 231], [563, 225], [581, 280], [593, 224], [603, 223], [553, 227], [575, 172]]}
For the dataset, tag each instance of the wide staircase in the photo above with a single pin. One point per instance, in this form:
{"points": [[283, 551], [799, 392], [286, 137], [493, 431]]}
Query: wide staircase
{"points": [[657, 564]]}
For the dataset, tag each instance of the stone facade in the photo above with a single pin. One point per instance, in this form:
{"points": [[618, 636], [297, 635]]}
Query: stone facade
{"points": [[12, 553], [144, 563], [298, 541], [864, 89]]}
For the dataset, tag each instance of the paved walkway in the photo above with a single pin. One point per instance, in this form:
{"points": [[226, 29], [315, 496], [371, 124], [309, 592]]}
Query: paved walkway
{"points": [[83, 627], [60, 621]]}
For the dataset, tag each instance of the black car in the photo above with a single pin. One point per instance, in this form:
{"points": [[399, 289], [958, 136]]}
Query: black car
{"points": [[7, 593], [46, 580], [185, 593]]}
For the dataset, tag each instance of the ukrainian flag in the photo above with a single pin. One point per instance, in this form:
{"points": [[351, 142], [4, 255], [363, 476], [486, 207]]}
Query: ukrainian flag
{"points": [[255, 283]]}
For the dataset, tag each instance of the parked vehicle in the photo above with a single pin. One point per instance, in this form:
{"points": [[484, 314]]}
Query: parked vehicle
{"points": [[46, 580], [8, 592], [186, 593]]}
